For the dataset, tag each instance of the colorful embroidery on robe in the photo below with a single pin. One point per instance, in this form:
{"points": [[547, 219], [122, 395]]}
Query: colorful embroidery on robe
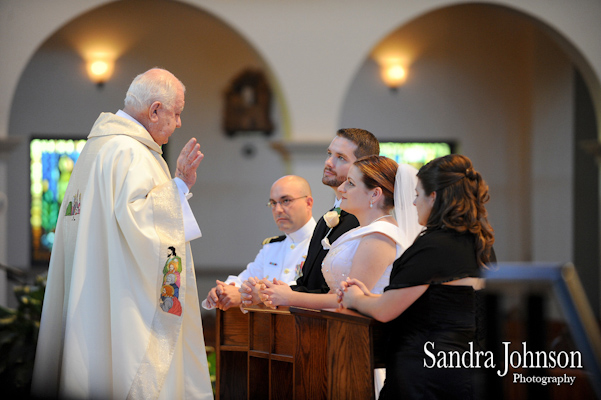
{"points": [[171, 284], [74, 206], [170, 303]]}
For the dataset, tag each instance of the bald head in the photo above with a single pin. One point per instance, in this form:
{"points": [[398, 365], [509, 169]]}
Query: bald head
{"points": [[296, 192], [294, 182]]}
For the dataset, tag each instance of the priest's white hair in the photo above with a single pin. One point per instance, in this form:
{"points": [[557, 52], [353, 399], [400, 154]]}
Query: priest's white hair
{"points": [[156, 84]]}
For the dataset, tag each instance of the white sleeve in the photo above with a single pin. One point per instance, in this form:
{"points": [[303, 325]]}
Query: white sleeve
{"points": [[191, 228], [250, 270], [253, 269]]}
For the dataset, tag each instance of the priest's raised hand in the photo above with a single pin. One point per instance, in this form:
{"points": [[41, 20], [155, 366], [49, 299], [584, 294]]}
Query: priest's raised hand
{"points": [[188, 161]]}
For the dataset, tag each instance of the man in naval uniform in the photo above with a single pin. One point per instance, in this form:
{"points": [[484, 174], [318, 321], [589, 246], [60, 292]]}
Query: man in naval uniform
{"points": [[281, 257], [121, 317]]}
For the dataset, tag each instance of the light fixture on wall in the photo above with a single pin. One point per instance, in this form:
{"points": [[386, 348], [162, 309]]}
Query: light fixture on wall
{"points": [[393, 74], [100, 70]]}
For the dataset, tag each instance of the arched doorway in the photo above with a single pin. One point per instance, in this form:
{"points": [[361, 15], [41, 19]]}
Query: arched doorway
{"points": [[512, 93], [55, 98]]}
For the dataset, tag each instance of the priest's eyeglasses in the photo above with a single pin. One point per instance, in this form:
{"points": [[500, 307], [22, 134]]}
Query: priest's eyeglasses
{"points": [[284, 203]]}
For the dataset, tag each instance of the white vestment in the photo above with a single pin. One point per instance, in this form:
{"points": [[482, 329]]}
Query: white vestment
{"points": [[121, 316]]}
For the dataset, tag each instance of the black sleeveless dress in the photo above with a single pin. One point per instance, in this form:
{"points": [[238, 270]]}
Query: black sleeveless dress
{"points": [[443, 319]]}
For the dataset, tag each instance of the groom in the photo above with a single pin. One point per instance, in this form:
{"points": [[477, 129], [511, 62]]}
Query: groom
{"points": [[347, 146]]}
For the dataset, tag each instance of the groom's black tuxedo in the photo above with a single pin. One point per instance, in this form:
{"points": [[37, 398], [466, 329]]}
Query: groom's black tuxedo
{"points": [[312, 279]]}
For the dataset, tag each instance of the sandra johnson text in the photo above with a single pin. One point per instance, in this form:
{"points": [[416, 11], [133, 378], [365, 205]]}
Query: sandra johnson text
{"points": [[515, 359]]}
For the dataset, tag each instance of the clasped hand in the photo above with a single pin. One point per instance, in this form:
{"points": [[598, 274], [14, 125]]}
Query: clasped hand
{"points": [[249, 293], [271, 293], [275, 293], [223, 296], [349, 291]]}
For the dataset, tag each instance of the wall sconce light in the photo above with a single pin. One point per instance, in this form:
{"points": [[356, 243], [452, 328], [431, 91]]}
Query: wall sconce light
{"points": [[100, 71], [393, 74]]}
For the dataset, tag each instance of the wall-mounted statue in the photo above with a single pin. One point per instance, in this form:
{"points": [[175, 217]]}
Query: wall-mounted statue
{"points": [[248, 104]]}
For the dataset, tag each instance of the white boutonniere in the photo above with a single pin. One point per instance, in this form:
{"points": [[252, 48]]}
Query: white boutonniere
{"points": [[331, 218]]}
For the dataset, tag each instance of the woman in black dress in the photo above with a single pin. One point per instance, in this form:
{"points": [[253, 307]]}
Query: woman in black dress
{"points": [[430, 304]]}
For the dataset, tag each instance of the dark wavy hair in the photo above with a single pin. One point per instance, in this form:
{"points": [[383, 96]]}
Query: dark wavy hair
{"points": [[379, 171], [461, 194]]}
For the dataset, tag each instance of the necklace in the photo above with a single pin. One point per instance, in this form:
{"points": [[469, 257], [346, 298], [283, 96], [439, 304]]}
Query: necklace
{"points": [[383, 216]]}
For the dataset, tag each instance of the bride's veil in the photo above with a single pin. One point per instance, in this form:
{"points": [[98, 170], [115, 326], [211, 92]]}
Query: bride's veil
{"points": [[405, 212]]}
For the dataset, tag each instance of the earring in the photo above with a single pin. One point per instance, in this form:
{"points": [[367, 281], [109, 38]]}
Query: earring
{"points": [[371, 205]]}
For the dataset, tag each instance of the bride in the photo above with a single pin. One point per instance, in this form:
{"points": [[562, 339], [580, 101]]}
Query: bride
{"points": [[374, 186]]}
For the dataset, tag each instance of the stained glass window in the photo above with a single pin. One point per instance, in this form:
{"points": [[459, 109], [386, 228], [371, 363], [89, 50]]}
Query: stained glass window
{"points": [[415, 153], [52, 162]]}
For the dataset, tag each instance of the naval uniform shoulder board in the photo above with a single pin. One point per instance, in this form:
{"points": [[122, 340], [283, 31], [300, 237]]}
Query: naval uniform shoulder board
{"points": [[274, 239]]}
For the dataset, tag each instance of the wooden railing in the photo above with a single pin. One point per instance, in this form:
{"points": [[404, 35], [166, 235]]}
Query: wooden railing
{"points": [[295, 353]]}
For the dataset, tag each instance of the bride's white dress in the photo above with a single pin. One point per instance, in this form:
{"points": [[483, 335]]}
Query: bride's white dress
{"points": [[336, 266]]}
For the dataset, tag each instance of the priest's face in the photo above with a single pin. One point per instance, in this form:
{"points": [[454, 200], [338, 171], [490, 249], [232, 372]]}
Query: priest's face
{"points": [[341, 155], [167, 119]]}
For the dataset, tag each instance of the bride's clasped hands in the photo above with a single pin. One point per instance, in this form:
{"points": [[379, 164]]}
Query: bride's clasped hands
{"points": [[275, 293], [349, 291]]}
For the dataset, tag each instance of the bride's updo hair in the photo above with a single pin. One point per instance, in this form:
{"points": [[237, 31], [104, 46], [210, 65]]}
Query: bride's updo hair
{"points": [[461, 194], [379, 171]]}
